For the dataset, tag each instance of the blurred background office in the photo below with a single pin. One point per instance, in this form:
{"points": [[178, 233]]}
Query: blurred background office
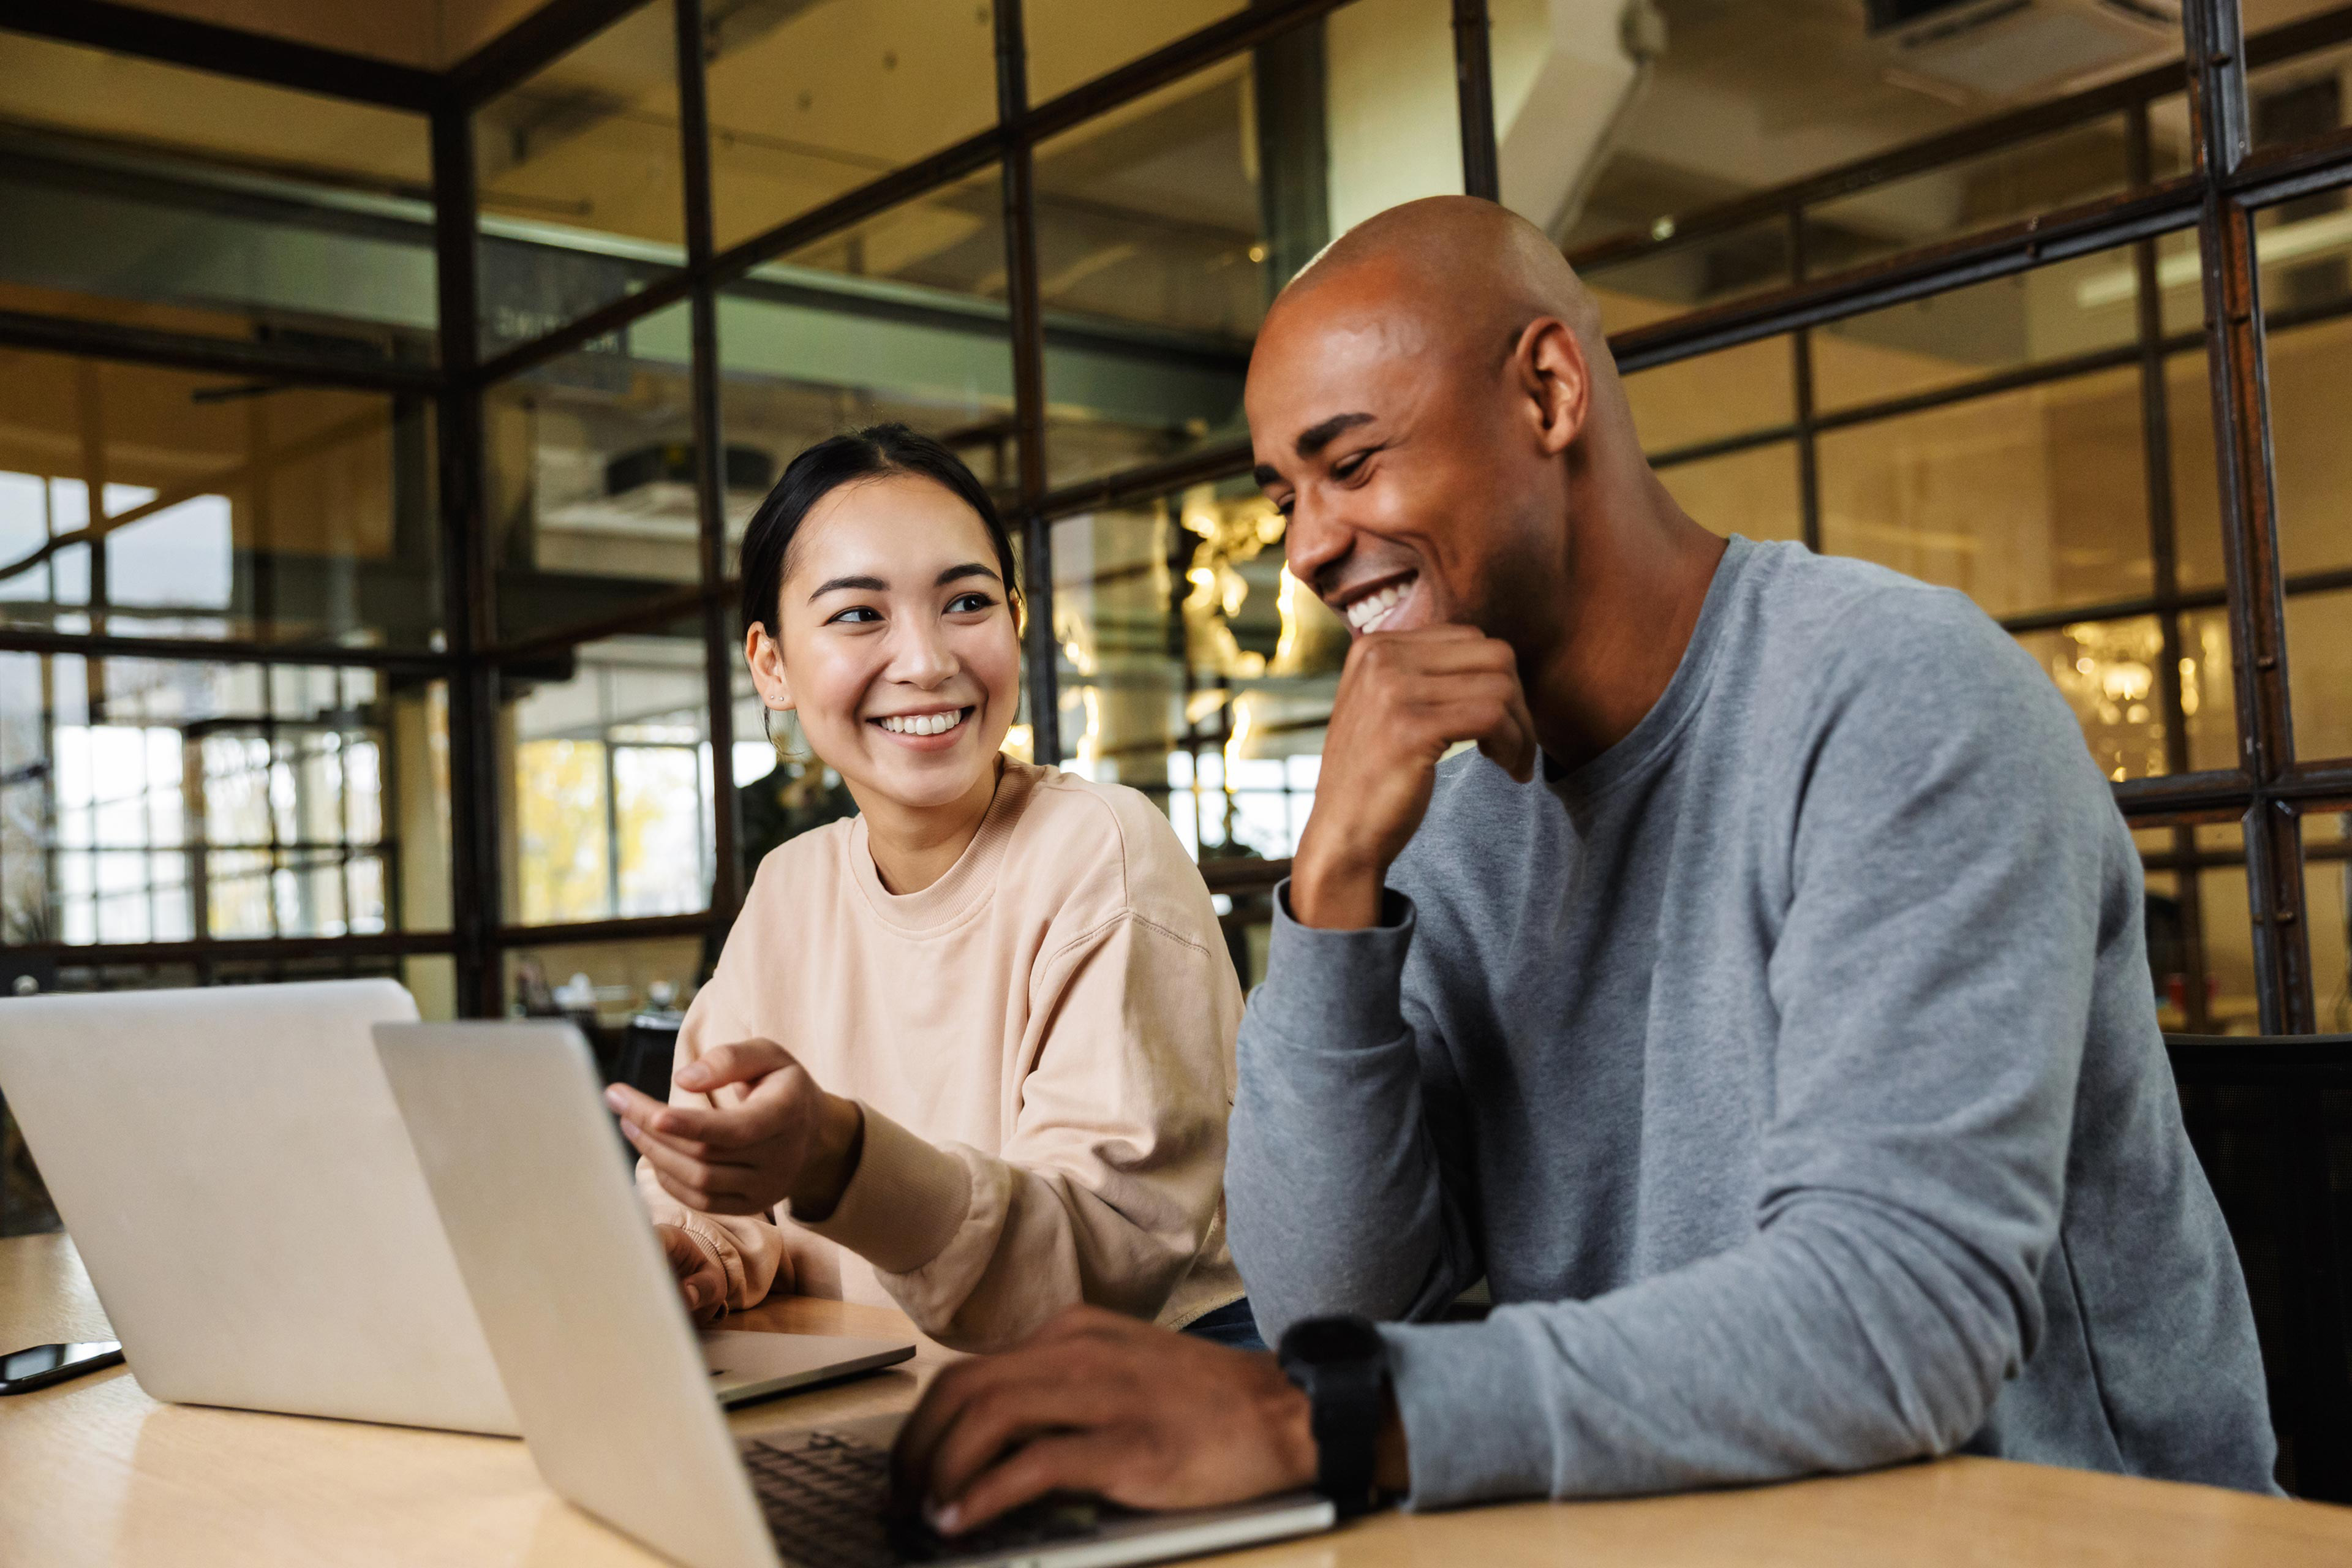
{"points": [[384, 387]]}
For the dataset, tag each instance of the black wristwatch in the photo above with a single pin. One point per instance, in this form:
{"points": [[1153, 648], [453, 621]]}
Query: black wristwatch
{"points": [[1342, 1364]]}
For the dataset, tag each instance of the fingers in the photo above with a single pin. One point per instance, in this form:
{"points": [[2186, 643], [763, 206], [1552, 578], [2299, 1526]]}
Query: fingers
{"points": [[635, 1104], [770, 1109], [738, 1063], [993, 1387], [1510, 740], [701, 1282], [1067, 1462], [1060, 1393], [698, 1184]]}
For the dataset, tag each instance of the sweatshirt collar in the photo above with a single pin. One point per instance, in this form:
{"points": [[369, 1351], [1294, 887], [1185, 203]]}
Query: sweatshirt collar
{"points": [[1651, 738], [967, 882]]}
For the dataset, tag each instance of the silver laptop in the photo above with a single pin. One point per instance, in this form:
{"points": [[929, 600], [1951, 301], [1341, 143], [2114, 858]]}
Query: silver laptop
{"points": [[235, 1174], [581, 1311]]}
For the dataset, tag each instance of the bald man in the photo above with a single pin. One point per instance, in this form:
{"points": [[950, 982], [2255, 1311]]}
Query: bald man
{"points": [[1762, 1011]]}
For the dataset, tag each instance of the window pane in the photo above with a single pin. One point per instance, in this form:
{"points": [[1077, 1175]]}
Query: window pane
{"points": [[150, 194], [2195, 480], [781, 787], [2301, 98], [1193, 667], [1655, 285], [432, 981], [2310, 459], [2167, 960], [1966, 334], [1752, 492], [2226, 920], [902, 319], [2319, 673], [581, 180], [610, 780], [2208, 691], [1164, 227], [2106, 671], [1154, 271], [1734, 100], [226, 508], [620, 978], [812, 99], [590, 465], [2198, 919], [2064, 170], [2024, 501], [146, 800], [1728, 393], [1074, 41]]}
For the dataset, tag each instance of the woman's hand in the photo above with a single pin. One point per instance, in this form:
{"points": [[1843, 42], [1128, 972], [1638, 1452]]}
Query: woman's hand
{"points": [[700, 1280], [782, 1139]]}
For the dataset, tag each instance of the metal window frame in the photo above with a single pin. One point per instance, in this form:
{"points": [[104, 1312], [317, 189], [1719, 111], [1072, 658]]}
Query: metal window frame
{"points": [[2268, 791]]}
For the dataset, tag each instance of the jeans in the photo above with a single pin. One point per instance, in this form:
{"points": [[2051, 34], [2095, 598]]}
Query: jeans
{"points": [[1229, 1325]]}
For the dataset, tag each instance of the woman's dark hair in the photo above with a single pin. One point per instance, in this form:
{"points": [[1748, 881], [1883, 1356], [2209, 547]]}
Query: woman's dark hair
{"points": [[875, 452]]}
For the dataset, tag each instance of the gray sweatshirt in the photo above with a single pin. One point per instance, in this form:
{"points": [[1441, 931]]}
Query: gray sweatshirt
{"points": [[1790, 1072]]}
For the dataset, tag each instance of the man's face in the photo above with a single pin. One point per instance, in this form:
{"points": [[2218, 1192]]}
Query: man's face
{"points": [[1389, 452]]}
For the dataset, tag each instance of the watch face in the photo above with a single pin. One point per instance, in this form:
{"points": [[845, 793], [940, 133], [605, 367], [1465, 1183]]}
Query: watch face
{"points": [[1320, 1341]]}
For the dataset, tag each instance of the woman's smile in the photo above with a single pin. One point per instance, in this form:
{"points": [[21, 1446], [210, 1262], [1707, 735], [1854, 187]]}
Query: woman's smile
{"points": [[933, 730]]}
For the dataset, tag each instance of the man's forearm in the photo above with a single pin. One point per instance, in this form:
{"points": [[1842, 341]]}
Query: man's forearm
{"points": [[1846, 1337], [1333, 1197]]}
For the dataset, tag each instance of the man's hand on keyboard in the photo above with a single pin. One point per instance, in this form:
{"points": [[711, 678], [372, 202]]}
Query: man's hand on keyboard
{"points": [[1099, 1403]]}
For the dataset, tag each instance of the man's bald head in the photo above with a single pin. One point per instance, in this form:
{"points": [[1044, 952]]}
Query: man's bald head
{"points": [[1481, 270]]}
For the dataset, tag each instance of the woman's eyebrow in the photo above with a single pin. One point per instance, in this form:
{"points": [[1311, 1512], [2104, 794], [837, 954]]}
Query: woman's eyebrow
{"points": [[968, 569], [863, 584]]}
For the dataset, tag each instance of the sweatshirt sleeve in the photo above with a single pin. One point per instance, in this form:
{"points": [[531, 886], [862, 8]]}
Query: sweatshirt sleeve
{"points": [[750, 1248], [1108, 1186], [1952, 857], [1345, 1185]]}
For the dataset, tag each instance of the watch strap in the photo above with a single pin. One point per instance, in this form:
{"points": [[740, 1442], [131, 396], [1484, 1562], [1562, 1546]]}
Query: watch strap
{"points": [[1341, 1366]]}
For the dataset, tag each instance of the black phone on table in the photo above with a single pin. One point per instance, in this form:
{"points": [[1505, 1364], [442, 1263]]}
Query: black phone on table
{"points": [[21, 1372]]}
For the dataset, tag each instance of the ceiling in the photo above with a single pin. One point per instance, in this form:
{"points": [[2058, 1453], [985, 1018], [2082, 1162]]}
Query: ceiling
{"points": [[431, 33]]}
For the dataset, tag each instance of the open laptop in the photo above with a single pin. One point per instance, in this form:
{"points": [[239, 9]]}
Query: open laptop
{"points": [[235, 1174], [581, 1311]]}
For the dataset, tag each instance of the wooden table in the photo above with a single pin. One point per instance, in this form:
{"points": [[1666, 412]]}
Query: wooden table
{"points": [[93, 1471]]}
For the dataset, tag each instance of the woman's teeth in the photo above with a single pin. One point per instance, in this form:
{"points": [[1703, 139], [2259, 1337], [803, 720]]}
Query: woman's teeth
{"points": [[923, 723], [1372, 606]]}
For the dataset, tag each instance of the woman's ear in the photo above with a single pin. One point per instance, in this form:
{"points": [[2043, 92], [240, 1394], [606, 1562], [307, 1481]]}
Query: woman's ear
{"points": [[766, 662]]}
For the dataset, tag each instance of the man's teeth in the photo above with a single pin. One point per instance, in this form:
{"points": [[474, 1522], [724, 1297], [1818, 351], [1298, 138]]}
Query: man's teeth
{"points": [[922, 723], [1372, 606]]}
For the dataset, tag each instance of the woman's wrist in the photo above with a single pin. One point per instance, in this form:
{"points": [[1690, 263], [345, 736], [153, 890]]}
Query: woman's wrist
{"points": [[841, 1138]]}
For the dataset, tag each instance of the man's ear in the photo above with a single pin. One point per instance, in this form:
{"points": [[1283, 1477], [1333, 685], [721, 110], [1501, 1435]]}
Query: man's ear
{"points": [[766, 662], [1556, 379]]}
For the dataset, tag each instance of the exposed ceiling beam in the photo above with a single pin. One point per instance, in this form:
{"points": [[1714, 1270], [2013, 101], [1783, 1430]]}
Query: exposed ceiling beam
{"points": [[225, 51]]}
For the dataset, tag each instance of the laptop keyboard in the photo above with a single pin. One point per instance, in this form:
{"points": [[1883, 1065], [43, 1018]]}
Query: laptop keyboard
{"points": [[828, 1497]]}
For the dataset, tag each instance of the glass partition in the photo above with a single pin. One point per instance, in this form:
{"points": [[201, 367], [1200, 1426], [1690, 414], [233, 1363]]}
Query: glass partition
{"points": [[605, 750], [149, 800], [580, 182], [148, 195]]}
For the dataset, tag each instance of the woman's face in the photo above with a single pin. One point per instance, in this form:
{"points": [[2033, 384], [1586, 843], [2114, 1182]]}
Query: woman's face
{"points": [[898, 647]]}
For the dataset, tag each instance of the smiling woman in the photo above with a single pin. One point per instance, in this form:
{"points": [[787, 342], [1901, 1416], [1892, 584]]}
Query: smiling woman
{"points": [[1041, 1121]]}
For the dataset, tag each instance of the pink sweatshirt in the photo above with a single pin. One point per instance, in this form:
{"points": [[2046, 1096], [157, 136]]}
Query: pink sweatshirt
{"points": [[1042, 1042]]}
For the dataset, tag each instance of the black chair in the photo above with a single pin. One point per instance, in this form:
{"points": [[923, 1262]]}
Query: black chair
{"points": [[648, 1046], [2271, 1119]]}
